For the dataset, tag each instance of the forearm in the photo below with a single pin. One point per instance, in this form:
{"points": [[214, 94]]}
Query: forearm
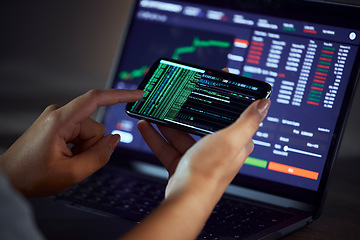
{"points": [[179, 217]]}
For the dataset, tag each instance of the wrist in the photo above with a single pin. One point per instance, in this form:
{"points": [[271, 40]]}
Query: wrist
{"points": [[202, 191], [182, 215]]}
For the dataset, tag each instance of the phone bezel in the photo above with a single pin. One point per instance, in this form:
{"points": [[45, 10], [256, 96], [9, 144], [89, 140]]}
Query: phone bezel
{"points": [[223, 74]]}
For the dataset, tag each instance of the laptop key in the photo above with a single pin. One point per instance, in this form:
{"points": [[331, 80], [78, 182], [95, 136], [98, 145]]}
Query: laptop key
{"points": [[253, 226], [224, 232], [272, 217], [211, 236]]}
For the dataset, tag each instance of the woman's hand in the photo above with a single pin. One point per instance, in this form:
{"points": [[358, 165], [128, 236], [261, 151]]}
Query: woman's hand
{"points": [[41, 162], [199, 173], [214, 160]]}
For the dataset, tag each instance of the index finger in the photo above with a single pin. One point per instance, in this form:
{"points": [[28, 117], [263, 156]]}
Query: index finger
{"points": [[85, 105]]}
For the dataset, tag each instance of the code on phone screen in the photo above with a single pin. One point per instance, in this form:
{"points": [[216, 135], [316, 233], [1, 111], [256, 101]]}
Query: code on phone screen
{"points": [[194, 97]]}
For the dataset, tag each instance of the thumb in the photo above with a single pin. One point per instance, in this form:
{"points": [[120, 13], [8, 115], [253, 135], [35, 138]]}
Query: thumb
{"points": [[242, 130], [91, 160]]}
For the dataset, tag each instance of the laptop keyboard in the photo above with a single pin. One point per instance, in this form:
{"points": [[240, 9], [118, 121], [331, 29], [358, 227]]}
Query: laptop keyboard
{"points": [[133, 198], [239, 220], [122, 195]]}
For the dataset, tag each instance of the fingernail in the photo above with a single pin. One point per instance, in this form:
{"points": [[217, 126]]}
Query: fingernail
{"points": [[263, 106], [115, 139]]}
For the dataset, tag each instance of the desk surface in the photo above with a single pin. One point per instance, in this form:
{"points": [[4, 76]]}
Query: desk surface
{"points": [[341, 215]]}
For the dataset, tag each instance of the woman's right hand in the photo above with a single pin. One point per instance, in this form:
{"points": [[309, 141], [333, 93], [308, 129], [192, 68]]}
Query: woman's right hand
{"points": [[211, 163], [198, 173]]}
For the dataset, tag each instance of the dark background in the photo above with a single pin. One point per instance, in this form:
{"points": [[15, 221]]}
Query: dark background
{"points": [[53, 51]]}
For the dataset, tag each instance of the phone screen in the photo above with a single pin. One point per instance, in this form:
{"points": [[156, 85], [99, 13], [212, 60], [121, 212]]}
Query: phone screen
{"points": [[194, 99]]}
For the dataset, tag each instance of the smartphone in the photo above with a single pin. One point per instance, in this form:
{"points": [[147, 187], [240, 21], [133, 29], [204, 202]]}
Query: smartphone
{"points": [[194, 99]]}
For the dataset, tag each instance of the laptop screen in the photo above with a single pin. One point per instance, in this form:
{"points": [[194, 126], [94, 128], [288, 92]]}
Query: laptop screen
{"points": [[311, 65]]}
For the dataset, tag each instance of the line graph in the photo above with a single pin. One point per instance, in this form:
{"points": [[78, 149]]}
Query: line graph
{"points": [[199, 43], [137, 73]]}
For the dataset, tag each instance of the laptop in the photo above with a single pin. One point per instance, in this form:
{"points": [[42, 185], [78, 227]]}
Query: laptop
{"points": [[307, 50]]}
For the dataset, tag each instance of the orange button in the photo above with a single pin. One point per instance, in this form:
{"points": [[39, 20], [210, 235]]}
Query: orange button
{"points": [[293, 170]]}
